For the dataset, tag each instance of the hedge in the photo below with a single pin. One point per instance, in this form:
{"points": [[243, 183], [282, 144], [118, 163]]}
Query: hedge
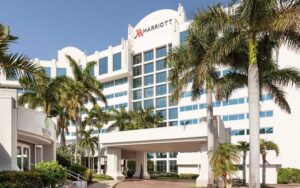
{"points": [[20, 179], [188, 176], [288, 175]]}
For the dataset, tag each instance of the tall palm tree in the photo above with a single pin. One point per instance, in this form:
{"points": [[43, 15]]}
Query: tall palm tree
{"points": [[98, 118], [63, 122], [14, 65], [266, 146], [88, 143], [82, 88], [223, 160], [146, 118], [243, 147], [122, 119], [252, 20]]}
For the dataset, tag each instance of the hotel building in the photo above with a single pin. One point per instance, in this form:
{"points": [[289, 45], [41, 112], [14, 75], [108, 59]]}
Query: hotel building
{"points": [[134, 75]]}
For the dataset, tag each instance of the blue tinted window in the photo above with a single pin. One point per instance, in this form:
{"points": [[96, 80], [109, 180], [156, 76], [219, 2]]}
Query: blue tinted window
{"points": [[137, 59], [137, 82], [48, 71], [161, 77], [148, 80], [161, 90], [120, 94], [161, 52], [148, 55], [117, 61], [173, 123], [186, 94], [161, 102], [137, 94], [163, 113], [148, 92], [202, 105], [171, 88], [148, 103], [216, 104], [110, 96], [269, 113], [183, 36], [61, 71], [108, 84], [148, 68], [120, 81], [189, 122], [160, 65], [103, 65], [173, 113], [137, 106], [137, 71], [172, 102]]}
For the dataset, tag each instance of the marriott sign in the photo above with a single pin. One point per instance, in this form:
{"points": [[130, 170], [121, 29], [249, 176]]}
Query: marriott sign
{"points": [[141, 31]]}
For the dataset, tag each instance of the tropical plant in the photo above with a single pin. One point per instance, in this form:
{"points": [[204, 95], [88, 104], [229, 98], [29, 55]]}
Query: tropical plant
{"points": [[122, 119], [98, 118], [223, 160], [266, 146], [146, 118], [76, 92], [243, 147], [252, 21], [14, 65], [88, 143]]}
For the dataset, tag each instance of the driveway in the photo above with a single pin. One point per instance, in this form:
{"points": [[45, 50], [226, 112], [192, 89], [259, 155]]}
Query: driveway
{"points": [[155, 183]]}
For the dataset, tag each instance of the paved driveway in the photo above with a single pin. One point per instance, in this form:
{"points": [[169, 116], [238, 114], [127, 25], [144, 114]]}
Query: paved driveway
{"points": [[155, 184]]}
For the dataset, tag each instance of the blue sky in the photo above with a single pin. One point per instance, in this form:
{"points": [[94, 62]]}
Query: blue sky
{"points": [[45, 26]]}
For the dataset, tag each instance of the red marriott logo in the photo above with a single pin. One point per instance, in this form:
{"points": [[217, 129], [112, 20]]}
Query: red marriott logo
{"points": [[140, 32]]}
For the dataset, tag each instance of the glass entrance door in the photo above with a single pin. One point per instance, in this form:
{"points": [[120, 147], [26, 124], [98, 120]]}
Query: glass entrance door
{"points": [[23, 157]]}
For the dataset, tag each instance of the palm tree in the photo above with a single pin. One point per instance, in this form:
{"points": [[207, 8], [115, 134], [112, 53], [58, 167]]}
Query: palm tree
{"points": [[146, 118], [88, 143], [14, 65], [98, 118], [122, 119], [63, 122], [82, 88], [252, 20], [265, 146], [223, 159], [243, 147]]}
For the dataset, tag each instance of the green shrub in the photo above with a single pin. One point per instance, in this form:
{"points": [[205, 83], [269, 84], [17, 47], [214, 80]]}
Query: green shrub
{"points": [[102, 177], [51, 173], [78, 169], [88, 174], [188, 176], [288, 175], [20, 179], [157, 174], [131, 169], [64, 155], [150, 166]]}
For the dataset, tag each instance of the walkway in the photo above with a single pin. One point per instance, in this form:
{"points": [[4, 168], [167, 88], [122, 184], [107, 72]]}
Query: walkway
{"points": [[155, 183], [103, 184]]}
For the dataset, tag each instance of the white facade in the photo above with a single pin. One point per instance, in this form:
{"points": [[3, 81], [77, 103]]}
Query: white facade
{"points": [[130, 85], [26, 137]]}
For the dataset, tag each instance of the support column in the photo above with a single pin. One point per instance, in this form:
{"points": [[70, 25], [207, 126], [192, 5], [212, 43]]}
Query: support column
{"points": [[99, 164], [202, 179], [114, 163], [141, 161]]}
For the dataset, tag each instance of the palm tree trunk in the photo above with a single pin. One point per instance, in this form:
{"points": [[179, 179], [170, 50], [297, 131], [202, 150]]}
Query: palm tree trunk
{"points": [[210, 128], [244, 166], [78, 127], [99, 156], [264, 169], [253, 94], [62, 137]]}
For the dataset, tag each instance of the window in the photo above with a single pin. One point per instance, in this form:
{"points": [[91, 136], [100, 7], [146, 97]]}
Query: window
{"points": [[148, 80], [234, 101], [161, 90], [266, 97], [173, 123], [150, 155], [161, 52], [266, 113], [269, 130], [61, 71], [148, 55], [137, 94], [186, 94], [47, 71], [148, 104], [171, 88], [202, 105], [148, 92], [173, 166], [172, 102], [216, 104], [137, 71], [189, 122], [173, 154], [161, 77], [137, 82], [103, 65], [233, 117], [161, 155], [121, 81], [162, 113], [137, 106], [110, 96], [108, 84], [173, 113], [237, 132], [122, 105], [161, 102], [183, 36], [117, 61], [120, 94], [160, 65], [148, 68], [137, 59], [161, 166], [189, 108]]}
